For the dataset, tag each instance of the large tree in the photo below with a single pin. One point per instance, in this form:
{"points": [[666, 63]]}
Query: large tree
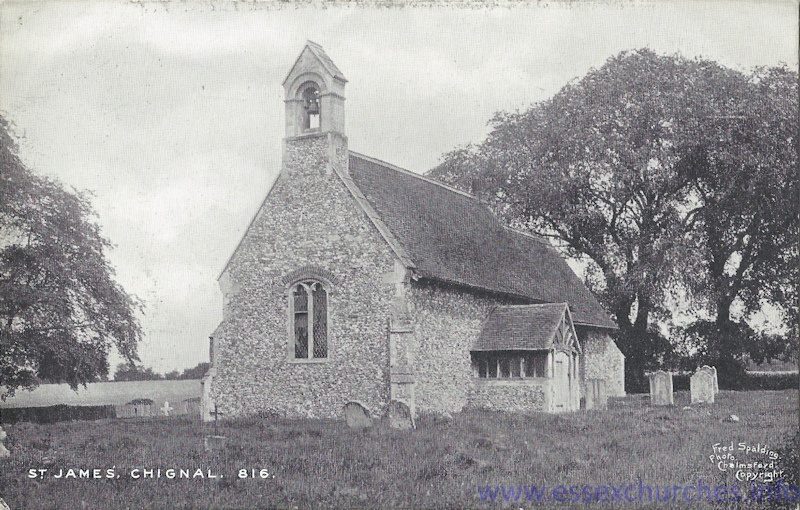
{"points": [[608, 168], [743, 175], [61, 310]]}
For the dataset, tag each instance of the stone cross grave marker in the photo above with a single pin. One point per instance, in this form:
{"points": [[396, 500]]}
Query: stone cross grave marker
{"points": [[215, 413], [701, 386], [166, 409], [215, 442], [596, 397], [661, 389], [357, 415], [400, 416]]}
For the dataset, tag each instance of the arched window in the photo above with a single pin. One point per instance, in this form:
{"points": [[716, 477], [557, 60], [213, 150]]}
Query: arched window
{"points": [[309, 319], [311, 107]]}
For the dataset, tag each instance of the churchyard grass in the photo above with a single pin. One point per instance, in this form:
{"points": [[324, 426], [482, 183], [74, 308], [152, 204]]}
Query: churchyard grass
{"points": [[323, 464]]}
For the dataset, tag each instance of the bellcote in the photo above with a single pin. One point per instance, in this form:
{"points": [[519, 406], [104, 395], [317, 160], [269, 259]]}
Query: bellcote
{"points": [[314, 94]]}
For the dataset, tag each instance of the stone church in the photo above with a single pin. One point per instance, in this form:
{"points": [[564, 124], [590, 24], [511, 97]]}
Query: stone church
{"points": [[360, 281]]}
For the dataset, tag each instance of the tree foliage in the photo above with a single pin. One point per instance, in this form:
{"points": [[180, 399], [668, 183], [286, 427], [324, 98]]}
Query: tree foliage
{"points": [[196, 372], [133, 372], [742, 171], [663, 173], [743, 175], [60, 309]]}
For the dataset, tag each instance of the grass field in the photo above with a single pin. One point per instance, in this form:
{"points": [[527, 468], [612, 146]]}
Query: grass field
{"points": [[323, 464]]}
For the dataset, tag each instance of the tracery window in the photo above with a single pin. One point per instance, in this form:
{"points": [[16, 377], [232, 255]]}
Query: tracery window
{"points": [[309, 317]]}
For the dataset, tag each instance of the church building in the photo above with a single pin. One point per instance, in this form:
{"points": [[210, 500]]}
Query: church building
{"points": [[360, 281]]}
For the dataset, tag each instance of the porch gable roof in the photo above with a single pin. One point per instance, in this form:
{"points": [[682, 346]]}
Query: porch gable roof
{"points": [[521, 327]]}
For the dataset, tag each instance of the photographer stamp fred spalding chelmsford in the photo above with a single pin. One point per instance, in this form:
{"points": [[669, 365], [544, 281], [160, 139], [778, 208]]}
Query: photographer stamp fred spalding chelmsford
{"points": [[747, 462]]}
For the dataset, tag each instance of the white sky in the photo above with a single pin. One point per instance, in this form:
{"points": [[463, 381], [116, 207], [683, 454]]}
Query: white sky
{"points": [[172, 113]]}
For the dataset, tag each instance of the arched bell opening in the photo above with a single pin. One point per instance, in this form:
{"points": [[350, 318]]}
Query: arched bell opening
{"points": [[310, 95]]}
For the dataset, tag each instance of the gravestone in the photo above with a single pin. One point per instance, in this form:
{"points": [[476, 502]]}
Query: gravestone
{"points": [[3, 450], [716, 380], [701, 386], [357, 415], [713, 372], [596, 397], [661, 388], [400, 416], [166, 409]]}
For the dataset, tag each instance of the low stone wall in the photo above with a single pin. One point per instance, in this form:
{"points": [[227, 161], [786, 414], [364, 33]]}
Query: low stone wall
{"points": [[511, 395]]}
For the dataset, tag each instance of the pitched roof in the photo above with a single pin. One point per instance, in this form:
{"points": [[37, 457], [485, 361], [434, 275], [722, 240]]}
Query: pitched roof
{"points": [[324, 59], [451, 236], [526, 327]]}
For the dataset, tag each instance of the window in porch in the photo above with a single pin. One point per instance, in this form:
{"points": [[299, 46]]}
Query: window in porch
{"points": [[510, 364]]}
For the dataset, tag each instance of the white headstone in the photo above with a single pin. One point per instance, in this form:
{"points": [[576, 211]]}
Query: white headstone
{"points": [[701, 386], [661, 389], [716, 380], [357, 415], [713, 372], [166, 409]]}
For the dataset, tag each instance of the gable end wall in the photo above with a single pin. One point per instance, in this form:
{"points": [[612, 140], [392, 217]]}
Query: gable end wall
{"points": [[309, 219]]}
